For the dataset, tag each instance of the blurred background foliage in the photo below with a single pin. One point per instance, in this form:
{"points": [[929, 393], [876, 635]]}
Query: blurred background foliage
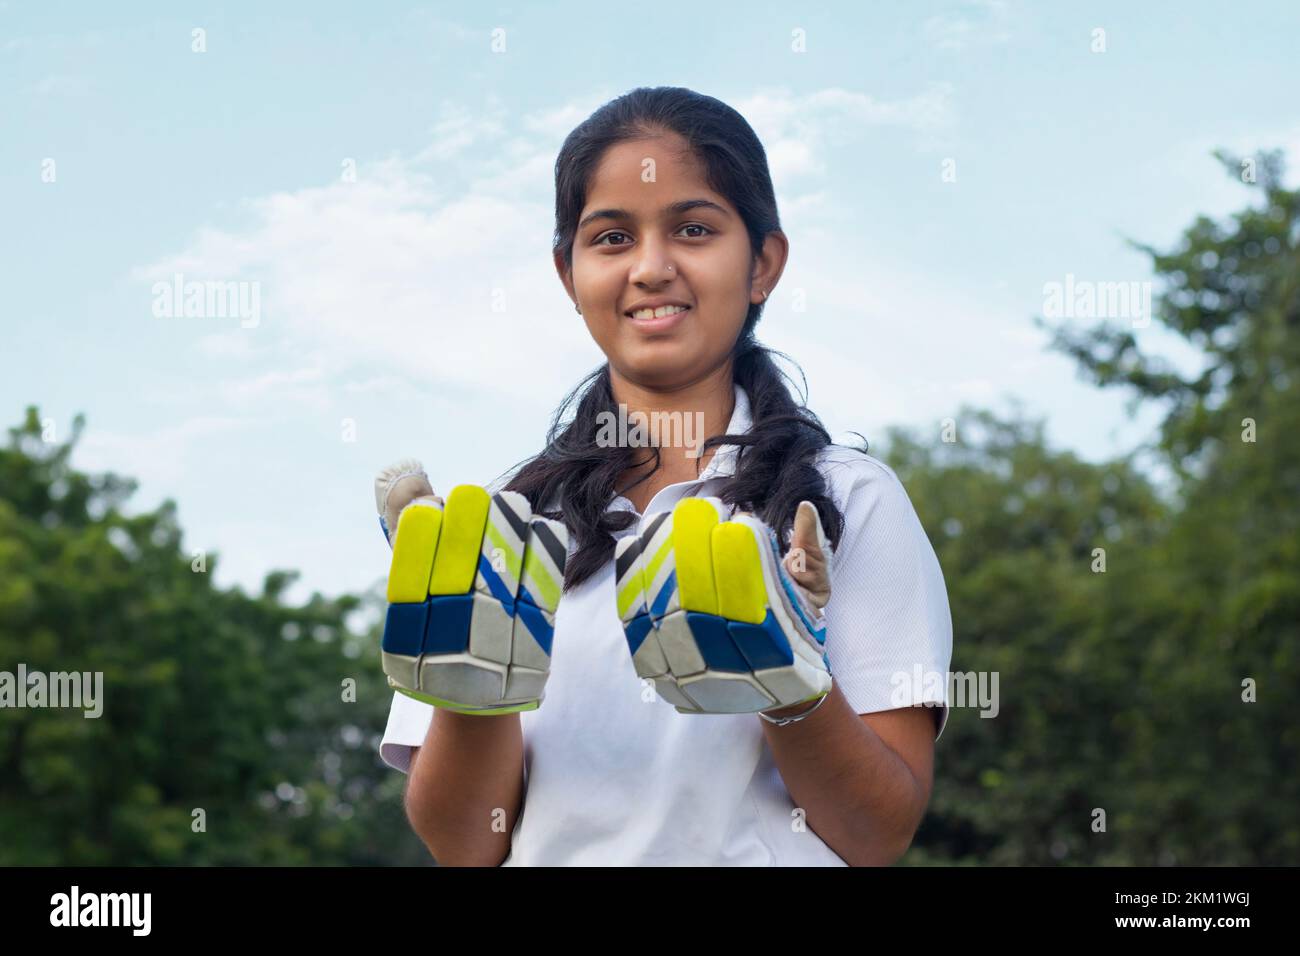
{"points": [[234, 704], [1120, 690]]}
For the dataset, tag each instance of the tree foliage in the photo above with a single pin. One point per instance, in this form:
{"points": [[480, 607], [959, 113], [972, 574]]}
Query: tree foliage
{"points": [[213, 700], [1123, 690]]}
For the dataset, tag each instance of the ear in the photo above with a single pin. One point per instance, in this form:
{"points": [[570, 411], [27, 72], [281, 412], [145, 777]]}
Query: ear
{"points": [[566, 276]]}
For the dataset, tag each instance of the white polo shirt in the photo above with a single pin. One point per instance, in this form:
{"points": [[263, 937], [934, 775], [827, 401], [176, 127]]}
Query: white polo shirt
{"points": [[615, 776]]}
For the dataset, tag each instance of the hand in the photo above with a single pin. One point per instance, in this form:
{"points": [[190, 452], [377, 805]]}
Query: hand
{"points": [[473, 587], [395, 488], [716, 618]]}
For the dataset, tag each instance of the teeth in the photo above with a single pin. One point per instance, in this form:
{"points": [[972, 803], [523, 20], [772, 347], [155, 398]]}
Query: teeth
{"points": [[659, 312]]}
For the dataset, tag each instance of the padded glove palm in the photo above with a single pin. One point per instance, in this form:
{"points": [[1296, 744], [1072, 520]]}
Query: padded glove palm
{"points": [[473, 588], [713, 617]]}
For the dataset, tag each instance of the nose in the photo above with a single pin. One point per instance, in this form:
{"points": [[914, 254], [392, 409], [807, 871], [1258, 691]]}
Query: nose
{"points": [[652, 266]]}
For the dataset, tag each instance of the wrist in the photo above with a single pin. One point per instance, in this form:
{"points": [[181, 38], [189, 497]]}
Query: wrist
{"points": [[794, 710], [793, 713]]}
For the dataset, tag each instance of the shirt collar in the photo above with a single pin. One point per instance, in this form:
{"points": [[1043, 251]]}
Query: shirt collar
{"points": [[723, 462]]}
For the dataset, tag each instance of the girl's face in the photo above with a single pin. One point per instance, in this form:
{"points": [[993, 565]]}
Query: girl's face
{"points": [[655, 235]]}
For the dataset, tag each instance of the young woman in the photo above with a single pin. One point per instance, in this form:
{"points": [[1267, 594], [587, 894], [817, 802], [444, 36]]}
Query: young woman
{"points": [[663, 197]]}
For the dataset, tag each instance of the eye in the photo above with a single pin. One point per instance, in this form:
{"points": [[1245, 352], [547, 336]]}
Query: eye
{"points": [[690, 225]]}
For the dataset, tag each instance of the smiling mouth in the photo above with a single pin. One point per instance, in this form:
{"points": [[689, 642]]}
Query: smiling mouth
{"points": [[659, 313]]}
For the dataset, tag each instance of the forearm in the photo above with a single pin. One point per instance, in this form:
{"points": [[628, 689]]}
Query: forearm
{"points": [[466, 787], [857, 794]]}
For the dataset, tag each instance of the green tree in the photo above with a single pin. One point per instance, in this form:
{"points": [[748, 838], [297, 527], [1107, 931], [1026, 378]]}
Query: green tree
{"points": [[1123, 691], [214, 700], [1222, 773], [1017, 528]]}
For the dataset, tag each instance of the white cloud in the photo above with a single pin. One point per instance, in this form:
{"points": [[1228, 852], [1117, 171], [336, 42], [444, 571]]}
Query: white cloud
{"points": [[797, 129], [833, 112], [459, 128], [446, 279], [886, 342], [557, 123], [980, 22], [787, 158], [303, 385], [228, 345], [440, 27], [159, 456], [59, 84], [386, 271]]}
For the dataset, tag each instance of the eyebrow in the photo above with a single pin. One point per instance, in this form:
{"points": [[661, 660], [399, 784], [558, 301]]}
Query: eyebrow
{"points": [[675, 209]]}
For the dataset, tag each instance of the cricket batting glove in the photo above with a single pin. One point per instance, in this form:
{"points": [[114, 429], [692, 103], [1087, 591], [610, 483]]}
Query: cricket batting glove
{"points": [[473, 588], [712, 615]]}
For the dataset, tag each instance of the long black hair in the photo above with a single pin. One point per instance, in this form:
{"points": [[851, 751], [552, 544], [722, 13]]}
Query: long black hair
{"points": [[776, 463]]}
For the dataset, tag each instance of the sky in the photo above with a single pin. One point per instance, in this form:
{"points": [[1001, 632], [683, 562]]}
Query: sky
{"points": [[380, 177]]}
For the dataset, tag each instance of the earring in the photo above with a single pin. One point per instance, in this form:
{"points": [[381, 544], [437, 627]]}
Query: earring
{"points": [[764, 295]]}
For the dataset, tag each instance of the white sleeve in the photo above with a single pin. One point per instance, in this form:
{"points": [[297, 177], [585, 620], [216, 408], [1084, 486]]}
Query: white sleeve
{"points": [[888, 624], [408, 723]]}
